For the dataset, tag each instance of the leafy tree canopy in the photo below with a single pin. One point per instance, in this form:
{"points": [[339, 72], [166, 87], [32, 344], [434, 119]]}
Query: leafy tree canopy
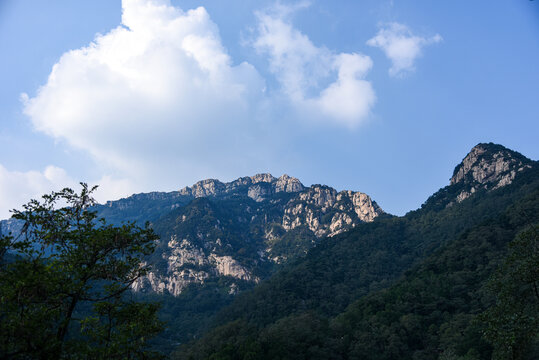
{"points": [[64, 283], [513, 322]]}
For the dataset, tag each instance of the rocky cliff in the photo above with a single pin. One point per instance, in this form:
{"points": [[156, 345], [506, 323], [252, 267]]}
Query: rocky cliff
{"points": [[187, 264], [487, 166], [257, 187], [241, 229], [328, 212]]}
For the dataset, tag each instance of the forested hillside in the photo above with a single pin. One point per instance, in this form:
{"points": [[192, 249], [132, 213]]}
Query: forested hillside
{"points": [[409, 288]]}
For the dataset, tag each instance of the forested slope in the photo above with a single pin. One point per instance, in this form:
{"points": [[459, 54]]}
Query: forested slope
{"points": [[408, 287]]}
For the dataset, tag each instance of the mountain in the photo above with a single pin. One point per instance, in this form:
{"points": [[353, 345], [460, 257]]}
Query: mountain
{"points": [[239, 229], [488, 166], [12, 226], [265, 267], [410, 287], [218, 239]]}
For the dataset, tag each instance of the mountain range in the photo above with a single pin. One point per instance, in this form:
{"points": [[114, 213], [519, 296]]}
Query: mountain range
{"points": [[265, 267], [411, 287]]}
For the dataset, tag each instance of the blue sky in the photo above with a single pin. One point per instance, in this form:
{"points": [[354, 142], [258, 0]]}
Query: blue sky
{"points": [[383, 97]]}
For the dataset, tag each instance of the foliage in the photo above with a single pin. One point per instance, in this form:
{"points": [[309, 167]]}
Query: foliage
{"points": [[188, 315], [64, 286], [513, 322]]}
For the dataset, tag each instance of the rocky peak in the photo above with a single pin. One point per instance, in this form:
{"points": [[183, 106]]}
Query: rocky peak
{"points": [[288, 184], [265, 185], [327, 212], [319, 195], [242, 240], [488, 166], [364, 207], [249, 180], [268, 178], [204, 188], [258, 186]]}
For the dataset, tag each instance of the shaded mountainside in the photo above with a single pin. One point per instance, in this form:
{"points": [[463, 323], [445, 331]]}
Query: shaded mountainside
{"points": [[11, 226], [408, 287]]}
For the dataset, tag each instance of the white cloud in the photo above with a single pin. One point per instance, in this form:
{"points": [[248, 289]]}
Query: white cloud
{"points": [[159, 103], [303, 70], [349, 98], [401, 46], [154, 95], [17, 188], [111, 188]]}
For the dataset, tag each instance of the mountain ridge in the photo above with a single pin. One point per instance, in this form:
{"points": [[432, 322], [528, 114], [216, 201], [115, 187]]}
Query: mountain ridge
{"points": [[301, 311], [241, 228], [220, 239]]}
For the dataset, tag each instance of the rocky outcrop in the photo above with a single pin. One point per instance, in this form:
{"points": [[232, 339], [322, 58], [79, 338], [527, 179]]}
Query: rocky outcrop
{"points": [[318, 195], [267, 178], [227, 266], [208, 187], [288, 184], [257, 187], [327, 212], [487, 166], [186, 264], [259, 192]]}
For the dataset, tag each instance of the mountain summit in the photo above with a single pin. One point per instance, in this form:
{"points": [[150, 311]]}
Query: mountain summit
{"points": [[488, 166], [258, 187]]}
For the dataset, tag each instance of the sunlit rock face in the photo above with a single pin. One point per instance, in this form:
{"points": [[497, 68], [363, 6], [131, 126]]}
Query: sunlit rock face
{"points": [[487, 166], [327, 212], [186, 264], [240, 230], [258, 187], [288, 184]]}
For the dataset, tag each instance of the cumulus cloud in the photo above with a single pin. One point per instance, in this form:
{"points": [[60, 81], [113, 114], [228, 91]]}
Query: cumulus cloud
{"points": [[158, 89], [159, 103], [401, 46], [303, 70]]}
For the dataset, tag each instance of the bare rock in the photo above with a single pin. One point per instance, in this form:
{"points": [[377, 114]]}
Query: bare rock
{"points": [[488, 166]]}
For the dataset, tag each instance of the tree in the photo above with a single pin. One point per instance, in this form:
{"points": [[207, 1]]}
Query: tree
{"points": [[512, 323], [65, 281]]}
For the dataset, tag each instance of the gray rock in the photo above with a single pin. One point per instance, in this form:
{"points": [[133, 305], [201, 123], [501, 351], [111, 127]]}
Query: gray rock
{"points": [[488, 166]]}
